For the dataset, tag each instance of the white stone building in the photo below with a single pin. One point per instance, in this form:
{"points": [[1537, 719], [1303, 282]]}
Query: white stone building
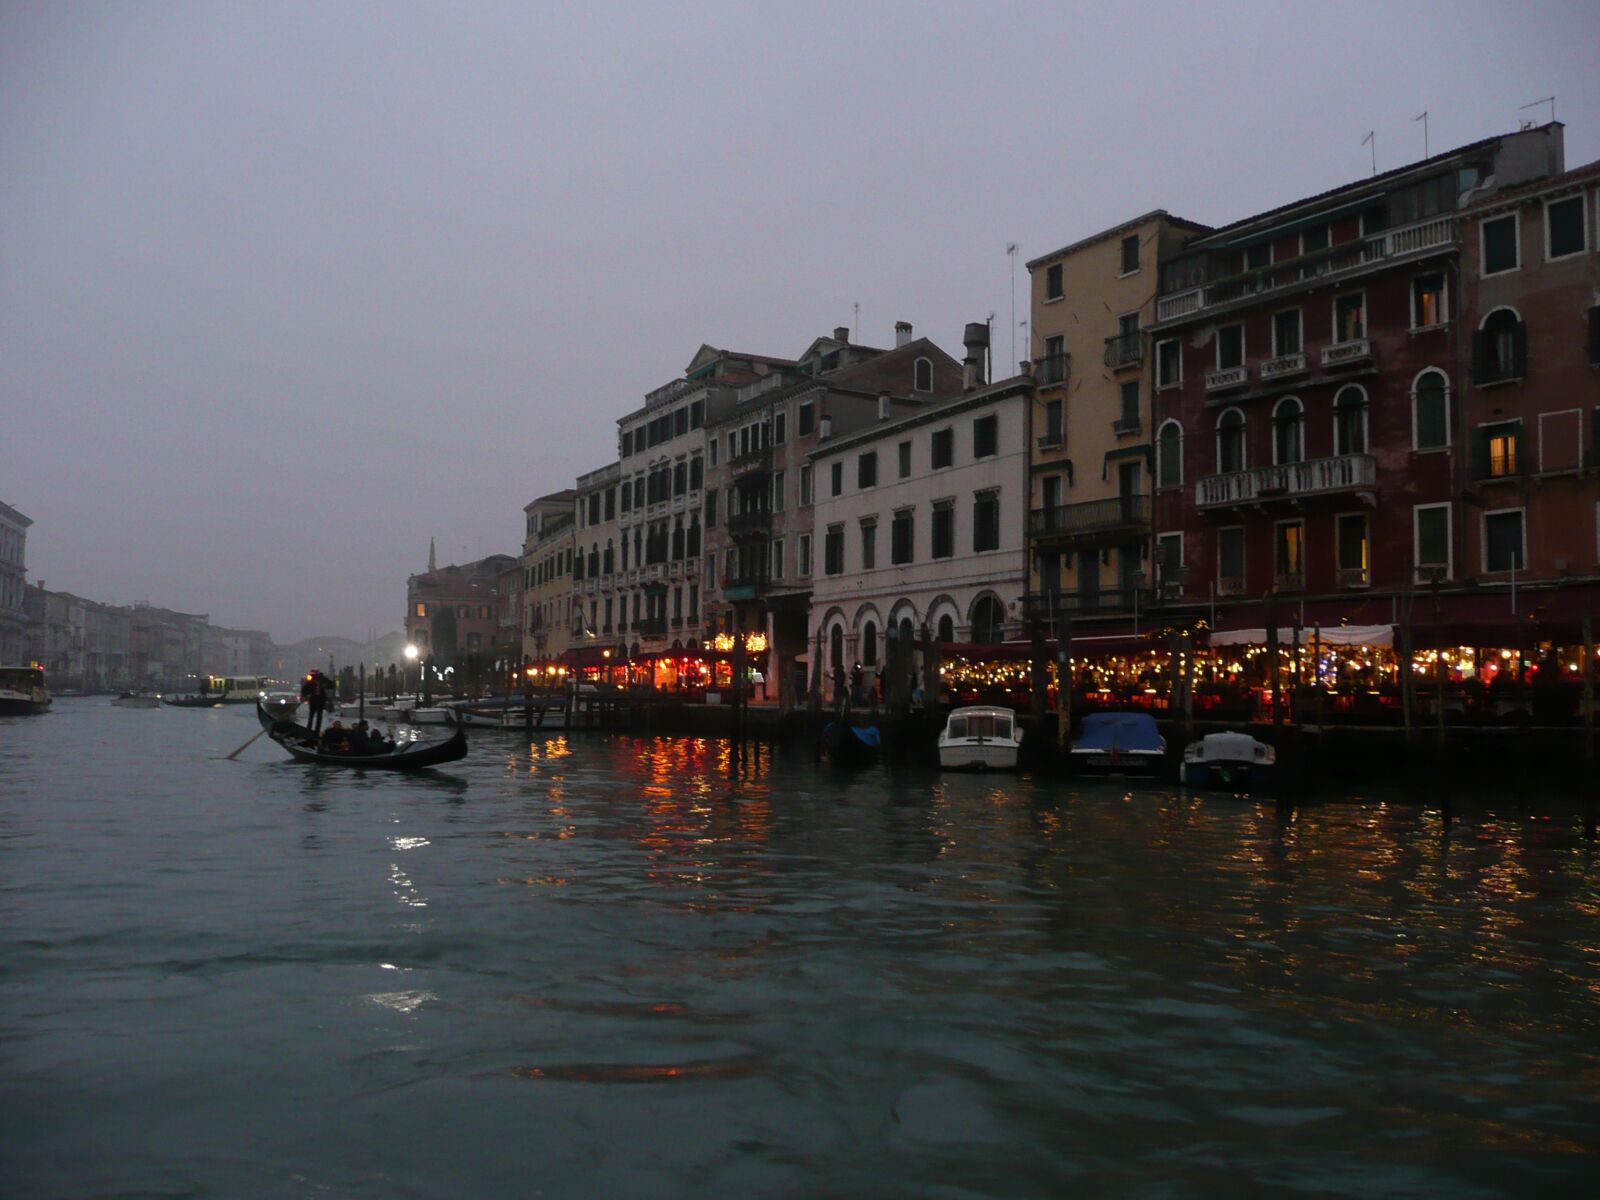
{"points": [[919, 522], [596, 554], [13, 583]]}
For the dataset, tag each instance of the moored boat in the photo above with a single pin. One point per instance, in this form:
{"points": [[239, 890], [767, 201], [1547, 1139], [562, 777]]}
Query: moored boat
{"points": [[1119, 743], [848, 744], [301, 745], [1229, 760], [23, 692], [980, 738]]}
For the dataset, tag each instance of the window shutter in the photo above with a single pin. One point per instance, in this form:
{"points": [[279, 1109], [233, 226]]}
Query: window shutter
{"points": [[1519, 350], [1480, 356], [1480, 453], [1520, 445], [1594, 338]]}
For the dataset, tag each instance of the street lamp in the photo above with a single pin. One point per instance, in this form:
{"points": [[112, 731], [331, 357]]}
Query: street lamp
{"points": [[411, 653]]}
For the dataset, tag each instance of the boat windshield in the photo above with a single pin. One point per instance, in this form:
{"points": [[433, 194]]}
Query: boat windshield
{"points": [[987, 725], [21, 678]]}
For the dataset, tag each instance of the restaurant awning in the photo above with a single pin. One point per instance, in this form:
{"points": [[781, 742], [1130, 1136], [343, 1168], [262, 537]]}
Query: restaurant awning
{"points": [[1332, 635]]}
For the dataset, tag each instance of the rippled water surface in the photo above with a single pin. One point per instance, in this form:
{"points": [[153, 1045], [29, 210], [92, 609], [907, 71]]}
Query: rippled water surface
{"points": [[605, 967]]}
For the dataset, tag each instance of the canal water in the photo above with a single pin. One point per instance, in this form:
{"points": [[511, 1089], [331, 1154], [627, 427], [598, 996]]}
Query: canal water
{"points": [[603, 966]]}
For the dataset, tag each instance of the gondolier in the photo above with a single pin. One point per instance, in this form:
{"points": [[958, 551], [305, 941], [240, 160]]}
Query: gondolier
{"points": [[314, 694]]}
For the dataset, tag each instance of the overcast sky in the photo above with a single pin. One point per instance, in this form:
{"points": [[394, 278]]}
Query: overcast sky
{"points": [[287, 289]]}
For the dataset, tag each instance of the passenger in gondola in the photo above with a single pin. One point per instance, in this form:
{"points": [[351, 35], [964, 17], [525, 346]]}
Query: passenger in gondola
{"points": [[361, 739], [336, 739], [379, 742]]}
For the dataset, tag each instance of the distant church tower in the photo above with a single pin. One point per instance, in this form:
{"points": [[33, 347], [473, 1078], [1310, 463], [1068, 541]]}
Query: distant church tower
{"points": [[432, 565]]}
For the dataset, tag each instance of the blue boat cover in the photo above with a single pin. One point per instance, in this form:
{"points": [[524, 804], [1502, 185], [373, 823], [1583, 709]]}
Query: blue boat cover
{"points": [[1119, 731], [868, 736]]}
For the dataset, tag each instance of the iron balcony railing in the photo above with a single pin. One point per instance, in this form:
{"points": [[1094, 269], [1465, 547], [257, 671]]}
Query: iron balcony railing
{"points": [[1318, 476], [1090, 517], [1052, 369], [746, 523], [1125, 349], [750, 463]]}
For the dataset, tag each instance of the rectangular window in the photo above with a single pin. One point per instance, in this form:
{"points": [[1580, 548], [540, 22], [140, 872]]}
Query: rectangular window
{"points": [[867, 469], [837, 475], [1230, 560], [905, 460], [1257, 256], [1053, 434], [1564, 227], [944, 528], [775, 563], [900, 537], [680, 422], [1350, 317], [1052, 282], [1500, 442], [780, 427], [777, 491], [1053, 366], [985, 436], [1432, 540], [805, 484], [833, 551], [805, 554], [713, 446], [1130, 254], [1500, 250], [1129, 421], [1427, 301], [711, 509], [422, 609], [697, 414], [1230, 347], [1169, 563], [1288, 556], [697, 473], [611, 504], [627, 442], [869, 543], [807, 419], [1169, 363], [1351, 535], [985, 521], [942, 446], [1314, 239], [1502, 541], [1286, 332]]}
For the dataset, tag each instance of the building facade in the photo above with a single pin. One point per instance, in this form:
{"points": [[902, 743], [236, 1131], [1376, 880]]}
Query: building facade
{"points": [[1306, 367], [455, 611], [920, 525], [759, 537], [547, 576], [1530, 419], [13, 584], [597, 594], [1089, 528]]}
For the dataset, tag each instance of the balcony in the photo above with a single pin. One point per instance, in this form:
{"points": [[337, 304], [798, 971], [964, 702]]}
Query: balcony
{"points": [[1224, 378], [1230, 585], [1318, 477], [747, 523], [1289, 581], [1347, 354], [1354, 577], [651, 627], [1284, 366], [1123, 425], [1125, 350], [752, 463], [1053, 440], [1347, 258], [1092, 518], [1052, 369], [742, 587]]}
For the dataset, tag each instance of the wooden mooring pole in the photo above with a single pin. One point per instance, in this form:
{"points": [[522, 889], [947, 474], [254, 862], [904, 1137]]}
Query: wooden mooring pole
{"points": [[1591, 795]]}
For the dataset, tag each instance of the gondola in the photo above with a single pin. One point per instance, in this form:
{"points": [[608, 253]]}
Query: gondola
{"points": [[410, 756], [851, 745], [192, 701]]}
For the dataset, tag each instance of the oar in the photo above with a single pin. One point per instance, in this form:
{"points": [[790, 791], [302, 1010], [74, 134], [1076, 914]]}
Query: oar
{"points": [[246, 746]]}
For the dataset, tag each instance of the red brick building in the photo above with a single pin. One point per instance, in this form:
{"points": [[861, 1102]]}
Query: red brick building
{"points": [[1307, 373]]}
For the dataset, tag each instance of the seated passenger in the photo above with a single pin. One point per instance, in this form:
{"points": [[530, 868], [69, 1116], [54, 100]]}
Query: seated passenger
{"points": [[336, 739]]}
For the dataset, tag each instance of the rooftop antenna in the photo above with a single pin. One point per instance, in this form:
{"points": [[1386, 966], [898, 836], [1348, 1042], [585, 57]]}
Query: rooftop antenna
{"points": [[988, 353], [1011, 253], [1550, 100], [1423, 117], [856, 336], [1372, 140]]}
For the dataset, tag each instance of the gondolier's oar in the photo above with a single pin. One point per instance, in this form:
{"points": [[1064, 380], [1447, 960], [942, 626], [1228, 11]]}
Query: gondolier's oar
{"points": [[246, 746]]}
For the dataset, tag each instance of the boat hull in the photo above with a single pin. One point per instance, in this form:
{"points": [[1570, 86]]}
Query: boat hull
{"points": [[22, 706], [1227, 776], [1117, 762], [978, 756]]}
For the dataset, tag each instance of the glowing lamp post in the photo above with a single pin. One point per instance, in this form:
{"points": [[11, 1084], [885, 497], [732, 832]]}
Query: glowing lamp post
{"points": [[411, 653]]}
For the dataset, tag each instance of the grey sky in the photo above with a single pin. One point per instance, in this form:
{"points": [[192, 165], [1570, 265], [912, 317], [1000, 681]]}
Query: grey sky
{"points": [[286, 289]]}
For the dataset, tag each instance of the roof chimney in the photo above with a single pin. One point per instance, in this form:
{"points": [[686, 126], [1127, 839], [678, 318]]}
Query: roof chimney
{"points": [[841, 333], [902, 334], [976, 340], [824, 427], [883, 405]]}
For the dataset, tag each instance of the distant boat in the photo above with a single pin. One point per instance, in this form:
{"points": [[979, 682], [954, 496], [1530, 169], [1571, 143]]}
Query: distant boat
{"points": [[851, 745], [136, 700], [22, 692], [1229, 760], [282, 705], [980, 738], [1119, 743], [221, 689]]}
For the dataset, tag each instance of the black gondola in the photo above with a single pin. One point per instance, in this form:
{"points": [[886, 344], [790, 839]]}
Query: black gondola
{"points": [[192, 701], [851, 745], [410, 756]]}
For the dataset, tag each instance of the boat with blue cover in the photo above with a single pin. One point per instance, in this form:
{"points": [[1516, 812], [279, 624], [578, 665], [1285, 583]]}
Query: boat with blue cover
{"points": [[1119, 743], [849, 744]]}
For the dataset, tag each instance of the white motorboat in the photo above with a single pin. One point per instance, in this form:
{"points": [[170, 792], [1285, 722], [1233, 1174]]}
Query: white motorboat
{"points": [[1230, 760], [22, 692], [281, 706], [980, 738]]}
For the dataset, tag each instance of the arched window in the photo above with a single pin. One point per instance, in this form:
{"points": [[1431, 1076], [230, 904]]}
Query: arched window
{"points": [[988, 621], [836, 647], [869, 645], [947, 629], [1230, 441], [1169, 455], [1288, 432], [594, 560], [677, 539], [906, 633], [1500, 348], [923, 375], [1350, 421], [1430, 411]]}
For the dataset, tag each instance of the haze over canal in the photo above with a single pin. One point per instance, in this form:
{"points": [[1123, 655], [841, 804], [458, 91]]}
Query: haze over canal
{"points": [[601, 966]]}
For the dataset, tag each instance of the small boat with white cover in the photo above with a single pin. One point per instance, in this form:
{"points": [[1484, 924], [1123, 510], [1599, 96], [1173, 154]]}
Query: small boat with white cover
{"points": [[1229, 760], [980, 738]]}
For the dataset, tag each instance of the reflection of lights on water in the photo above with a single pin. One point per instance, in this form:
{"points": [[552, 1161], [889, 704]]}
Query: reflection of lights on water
{"points": [[404, 890], [401, 1001], [408, 843]]}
